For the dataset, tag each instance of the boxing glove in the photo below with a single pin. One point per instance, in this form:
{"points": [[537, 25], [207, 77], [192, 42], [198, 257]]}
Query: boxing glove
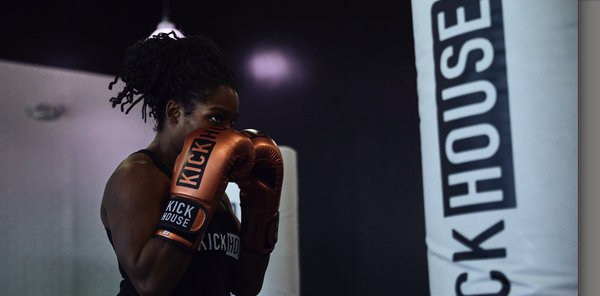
{"points": [[211, 157], [260, 194]]}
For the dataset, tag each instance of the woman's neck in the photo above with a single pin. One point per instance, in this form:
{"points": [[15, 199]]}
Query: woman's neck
{"points": [[163, 147]]}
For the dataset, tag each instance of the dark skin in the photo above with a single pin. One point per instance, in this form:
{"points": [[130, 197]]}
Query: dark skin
{"points": [[137, 193]]}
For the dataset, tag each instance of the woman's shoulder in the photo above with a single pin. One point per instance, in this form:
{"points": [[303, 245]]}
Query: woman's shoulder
{"points": [[139, 165], [136, 187], [137, 175]]}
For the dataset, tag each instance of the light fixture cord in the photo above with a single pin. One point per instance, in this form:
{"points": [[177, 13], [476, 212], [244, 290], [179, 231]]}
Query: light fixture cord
{"points": [[165, 17]]}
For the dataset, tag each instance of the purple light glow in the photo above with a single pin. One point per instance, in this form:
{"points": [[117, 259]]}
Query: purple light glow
{"points": [[271, 67]]}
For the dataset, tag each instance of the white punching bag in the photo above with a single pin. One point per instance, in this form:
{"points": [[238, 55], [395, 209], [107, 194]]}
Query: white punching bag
{"points": [[497, 85]]}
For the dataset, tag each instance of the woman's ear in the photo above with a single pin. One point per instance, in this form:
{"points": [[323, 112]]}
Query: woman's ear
{"points": [[174, 111]]}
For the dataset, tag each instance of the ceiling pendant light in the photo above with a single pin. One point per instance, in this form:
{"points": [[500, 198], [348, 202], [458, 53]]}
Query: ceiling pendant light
{"points": [[166, 26]]}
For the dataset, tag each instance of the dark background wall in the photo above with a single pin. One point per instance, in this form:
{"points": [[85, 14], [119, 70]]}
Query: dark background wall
{"points": [[349, 109]]}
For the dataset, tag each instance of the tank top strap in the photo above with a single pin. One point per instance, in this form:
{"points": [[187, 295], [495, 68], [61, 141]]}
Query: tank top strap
{"points": [[157, 162]]}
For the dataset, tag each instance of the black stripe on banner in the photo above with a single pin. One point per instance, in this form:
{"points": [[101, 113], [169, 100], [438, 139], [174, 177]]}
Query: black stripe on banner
{"points": [[472, 106]]}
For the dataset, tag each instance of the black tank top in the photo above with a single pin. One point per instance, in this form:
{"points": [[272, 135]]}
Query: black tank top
{"points": [[211, 270]]}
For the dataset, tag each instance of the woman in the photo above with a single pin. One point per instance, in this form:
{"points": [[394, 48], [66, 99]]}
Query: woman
{"points": [[185, 85]]}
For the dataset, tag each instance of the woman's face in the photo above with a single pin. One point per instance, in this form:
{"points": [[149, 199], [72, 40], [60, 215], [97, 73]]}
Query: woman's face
{"points": [[221, 109]]}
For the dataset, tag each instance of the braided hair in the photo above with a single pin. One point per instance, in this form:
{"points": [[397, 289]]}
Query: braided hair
{"points": [[166, 67]]}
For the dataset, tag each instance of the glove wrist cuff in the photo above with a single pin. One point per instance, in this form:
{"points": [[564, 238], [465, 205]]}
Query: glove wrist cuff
{"points": [[259, 232], [183, 223]]}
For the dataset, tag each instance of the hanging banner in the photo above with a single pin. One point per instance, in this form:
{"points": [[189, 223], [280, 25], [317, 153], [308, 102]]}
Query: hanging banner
{"points": [[498, 103]]}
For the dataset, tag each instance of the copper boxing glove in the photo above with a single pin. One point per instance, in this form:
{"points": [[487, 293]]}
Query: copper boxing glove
{"points": [[211, 157], [260, 194]]}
